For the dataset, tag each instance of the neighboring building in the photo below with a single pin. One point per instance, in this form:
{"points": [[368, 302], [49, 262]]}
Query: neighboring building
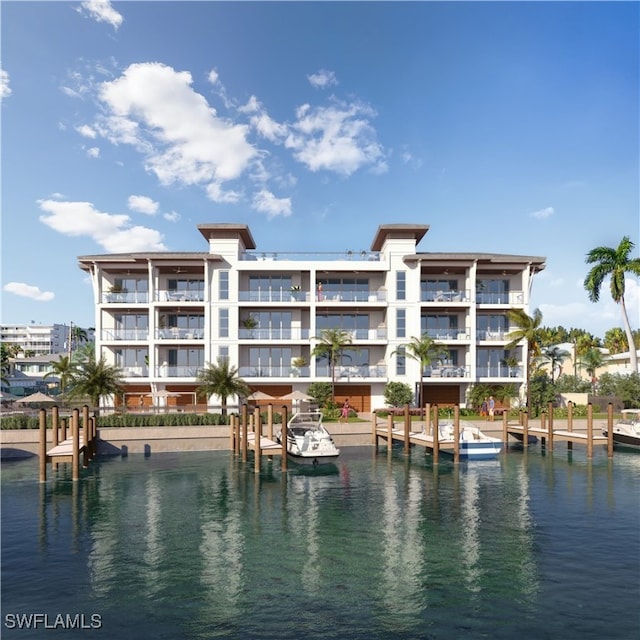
{"points": [[162, 316], [26, 375], [37, 338]]}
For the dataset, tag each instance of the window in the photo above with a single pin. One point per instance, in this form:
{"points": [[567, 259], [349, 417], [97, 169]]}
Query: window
{"points": [[349, 289], [357, 324], [401, 323], [223, 285], [263, 288], [223, 323], [269, 361], [401, 361], [401, 285]]}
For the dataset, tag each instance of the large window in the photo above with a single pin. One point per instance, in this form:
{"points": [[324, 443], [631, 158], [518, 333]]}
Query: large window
{"points": [[349, 289], [355, 323], [269, 361], [442, 326], [271, 325], [266, 288], [492, 291]]}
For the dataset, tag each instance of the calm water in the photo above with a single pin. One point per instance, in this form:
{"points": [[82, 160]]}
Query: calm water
{"points": [[196, 546]]}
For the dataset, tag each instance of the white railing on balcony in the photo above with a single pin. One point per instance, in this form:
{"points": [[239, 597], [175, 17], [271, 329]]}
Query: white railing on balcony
{"points": [[492, 334], [135, 372], [277, 295], [125, 297], [274, 334], [131, 335], [170, 371], [448, 334], [355, 256], [499, 371], [446, 371], [351, 296], [511, 297], [455, 295], [165, 295], [175, 333]]}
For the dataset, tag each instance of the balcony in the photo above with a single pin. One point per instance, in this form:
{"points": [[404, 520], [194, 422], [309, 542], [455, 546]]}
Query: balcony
{"points": [[489, 335], [176, 333], [176, 371], [499, 371], [266, 335], [351, 372], [351, 296], [130, 335], [455, 295], [506, 297], [273, 372], [446, 371], [173, 295], [448, 334], [126, 297]]}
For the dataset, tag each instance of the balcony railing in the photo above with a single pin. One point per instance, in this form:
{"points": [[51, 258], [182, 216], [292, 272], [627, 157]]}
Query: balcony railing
{"points": [[135, 371], [176, 333], [131, 335], [274, 334], [353, 371], [492, 334], [351, 296], [172, 295], [126, 297], [171, 371], [273, 372], [446, 371], [455, 295], [499, 371], [355, 256], [506, 297], [448, 334]]}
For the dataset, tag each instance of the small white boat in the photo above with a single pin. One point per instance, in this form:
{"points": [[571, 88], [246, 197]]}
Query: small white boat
{"points": [[627, 430], [474, 444], [308, 441]]}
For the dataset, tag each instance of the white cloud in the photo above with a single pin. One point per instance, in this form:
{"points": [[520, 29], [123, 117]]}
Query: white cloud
{"points": [[142, 204], [265, 202], [28, 291], [102, 11], [337, 138], [172, 216], [154, 108], [541, 214], [86, 131], [93, 152], [5, 89], [322, 79], [113, 232]]}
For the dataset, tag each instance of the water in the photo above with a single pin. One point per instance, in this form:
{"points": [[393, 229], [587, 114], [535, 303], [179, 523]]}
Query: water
{"points": [[197, 546]]}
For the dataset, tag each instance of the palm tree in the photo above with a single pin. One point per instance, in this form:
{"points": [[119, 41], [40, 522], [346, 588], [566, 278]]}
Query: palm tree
{"points": [[555, 356], [614, 264], [424, 350], [64, 368], [221, 380], [528, 330], [95, 379], [615, 341], [592, 360], [332, 344]]}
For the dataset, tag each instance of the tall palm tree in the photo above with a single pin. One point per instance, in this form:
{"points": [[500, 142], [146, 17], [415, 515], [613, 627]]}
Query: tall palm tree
{"points": [[555, 356], [64, 368], [424, 350], [332, 343], [95, 379], [221, 380], [592, 360], [614, 264], [528, 330]]}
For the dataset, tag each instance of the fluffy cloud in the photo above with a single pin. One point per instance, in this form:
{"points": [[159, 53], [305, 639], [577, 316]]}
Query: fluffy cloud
{"points": [[113, 232], [142, 204], [28, 291], [541, 214], [5, 89], [265, 202], [102, 11], [322, 79], [154, 108]]}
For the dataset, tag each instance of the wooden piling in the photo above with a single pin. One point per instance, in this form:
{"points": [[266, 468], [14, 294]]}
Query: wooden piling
{"points": [[456, 434], [525, 429], [550, 409], [43, 445], [283, 438], [610, 430], [407, 429], [85, 436], [75, 434], [257, 434], [374, 430], [436, 435], [245, 433], [390, 434], [505, 433], [270, 421], [589, 430], [570, 424]]}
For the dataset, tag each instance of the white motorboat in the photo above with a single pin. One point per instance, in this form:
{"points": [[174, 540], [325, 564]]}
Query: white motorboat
{"points": [[474, 444], [308, 441], [627, 430]]}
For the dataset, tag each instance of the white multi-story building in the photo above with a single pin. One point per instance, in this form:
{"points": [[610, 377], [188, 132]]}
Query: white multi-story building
{"points": [[37, 339], [162, 316]]}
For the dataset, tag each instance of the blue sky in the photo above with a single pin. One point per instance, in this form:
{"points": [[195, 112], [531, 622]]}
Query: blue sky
{"points": [[507, 127]]}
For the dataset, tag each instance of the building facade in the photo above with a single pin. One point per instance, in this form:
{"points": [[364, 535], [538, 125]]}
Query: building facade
{"points": [[162, 316], [36, 339]]}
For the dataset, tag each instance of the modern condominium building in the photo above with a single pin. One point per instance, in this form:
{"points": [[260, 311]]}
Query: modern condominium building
{"points": [[162, 316]]}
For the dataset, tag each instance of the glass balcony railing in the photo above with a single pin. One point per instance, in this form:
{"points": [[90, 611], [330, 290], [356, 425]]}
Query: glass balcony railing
{"points": [[448, 334], [132, 335], [455, 295], [446, 371], [126, 297], [273, 334], [176, 333]]}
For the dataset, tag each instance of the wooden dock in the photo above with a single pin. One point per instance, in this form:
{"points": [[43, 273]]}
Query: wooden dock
{"points": [[246, 433], [67, 449], [548, 434]]}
